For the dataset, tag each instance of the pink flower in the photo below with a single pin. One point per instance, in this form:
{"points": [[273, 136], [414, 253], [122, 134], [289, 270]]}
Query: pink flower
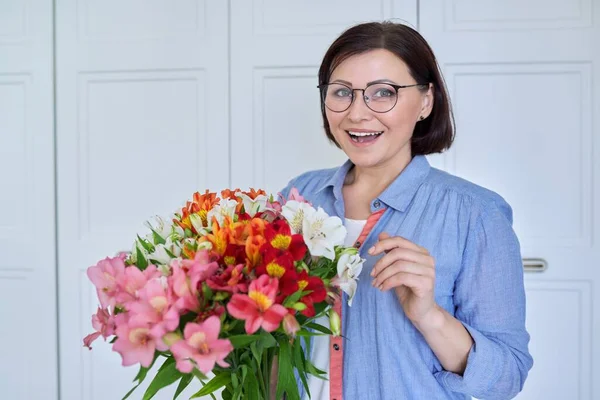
{"points": [[201, 346], [187, 277], [199, 269], [105, 276], [103, 323], [231, 280], [295, 195], [132, 281], [258, 308], [156, 306], [135, 344]]}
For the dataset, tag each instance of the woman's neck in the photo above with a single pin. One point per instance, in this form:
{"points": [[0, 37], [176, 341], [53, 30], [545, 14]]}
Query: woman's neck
{"points": [[375, 180]]}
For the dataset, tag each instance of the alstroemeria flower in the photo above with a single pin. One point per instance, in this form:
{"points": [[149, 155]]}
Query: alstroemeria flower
{"points": [[231, 280], [317, 294], [225, 209], [253, 203], [201, 347], [349, 267], [134, 342], [105, 276], [294, 212], [156, 305], [258, 308], [133, 280], [103, 323], [322, 233], [280, 237], [274, 264]]}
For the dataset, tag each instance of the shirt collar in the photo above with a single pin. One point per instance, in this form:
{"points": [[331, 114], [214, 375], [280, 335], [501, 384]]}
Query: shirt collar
{"points": [[398, 194]]}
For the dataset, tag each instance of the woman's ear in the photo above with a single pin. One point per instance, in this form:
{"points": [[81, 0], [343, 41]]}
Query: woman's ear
{"points": [[427, 102]]}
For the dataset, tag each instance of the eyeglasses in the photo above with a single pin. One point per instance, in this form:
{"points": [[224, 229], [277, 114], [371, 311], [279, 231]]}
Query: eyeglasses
{"points": [[379, 97]]}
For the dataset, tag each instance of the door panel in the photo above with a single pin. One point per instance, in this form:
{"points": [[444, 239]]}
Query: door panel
{"points": [[27, 224], [142, 124], [523, 77]]}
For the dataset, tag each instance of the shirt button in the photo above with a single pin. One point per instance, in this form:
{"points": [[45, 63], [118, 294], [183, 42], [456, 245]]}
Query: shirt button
{"points": [[336, 347], [376, 204]]}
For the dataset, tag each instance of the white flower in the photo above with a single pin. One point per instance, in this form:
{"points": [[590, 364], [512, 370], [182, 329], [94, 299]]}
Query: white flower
{"points": [[225, 209], [164, 228], [349, 267], [160, 254], [197, 223], [322, 233], [294, 212], [259, 204]]}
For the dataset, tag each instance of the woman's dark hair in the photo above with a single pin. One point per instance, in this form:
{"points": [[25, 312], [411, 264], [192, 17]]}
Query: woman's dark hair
{"points": [[435, 133]]}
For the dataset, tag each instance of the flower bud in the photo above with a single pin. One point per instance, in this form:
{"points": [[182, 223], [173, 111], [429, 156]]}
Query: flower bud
{"points": [[290, 325], [334, 322], [171, 338], [299, 306]]}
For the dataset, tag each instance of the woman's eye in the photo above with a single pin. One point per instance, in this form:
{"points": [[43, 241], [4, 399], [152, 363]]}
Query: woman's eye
{"points": [[343, 93], [384, 93]]}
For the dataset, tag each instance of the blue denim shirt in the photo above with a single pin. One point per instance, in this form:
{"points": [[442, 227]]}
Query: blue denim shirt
{"points": [[479, 280]]}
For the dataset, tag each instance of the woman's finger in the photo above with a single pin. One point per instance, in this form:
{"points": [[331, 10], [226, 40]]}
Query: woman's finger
{"points": [[400, 253], [417, 283], [402, 267], [387, 243]]}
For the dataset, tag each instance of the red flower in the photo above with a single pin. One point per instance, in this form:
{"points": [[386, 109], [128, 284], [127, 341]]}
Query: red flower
{"points": [[279, 236], [317, 294]]}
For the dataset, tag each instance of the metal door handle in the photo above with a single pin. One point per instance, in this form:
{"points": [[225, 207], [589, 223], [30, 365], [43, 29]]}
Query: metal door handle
{"points": [[534, 265]]}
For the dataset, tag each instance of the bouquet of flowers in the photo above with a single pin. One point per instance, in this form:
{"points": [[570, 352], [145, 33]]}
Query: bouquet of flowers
{"points": [[225, 287]]}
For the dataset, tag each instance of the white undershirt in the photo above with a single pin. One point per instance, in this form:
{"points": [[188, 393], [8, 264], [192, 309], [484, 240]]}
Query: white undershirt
{"points": [[319, 388]]}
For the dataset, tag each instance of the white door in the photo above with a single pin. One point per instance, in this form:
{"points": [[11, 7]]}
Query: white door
{"points": [[525, 85], [276, 50], [142, 123], [28, 369]]}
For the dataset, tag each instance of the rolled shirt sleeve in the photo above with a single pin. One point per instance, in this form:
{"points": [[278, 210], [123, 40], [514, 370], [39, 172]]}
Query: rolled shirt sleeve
{"points": [[489, 299]]}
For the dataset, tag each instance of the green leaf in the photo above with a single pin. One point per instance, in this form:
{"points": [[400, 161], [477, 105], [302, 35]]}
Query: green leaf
{"points": [[267, 340], [255, 351], [141, 375], [299, 361], [157, 238], [207, 291], [145, 244], [286, 381], [235, 382], [240, 341], [252, 388], [201, 377], [220, 380], [167, 374], [319, 328], [294, 297], [140, 260], [130, 392], [183, 383]]}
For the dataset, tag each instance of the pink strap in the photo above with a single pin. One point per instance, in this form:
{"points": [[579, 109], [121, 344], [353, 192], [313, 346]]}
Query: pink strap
{"points": [[336, 351]]}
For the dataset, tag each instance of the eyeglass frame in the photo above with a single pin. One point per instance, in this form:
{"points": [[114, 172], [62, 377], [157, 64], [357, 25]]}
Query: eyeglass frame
{"points": [[396, 88]]}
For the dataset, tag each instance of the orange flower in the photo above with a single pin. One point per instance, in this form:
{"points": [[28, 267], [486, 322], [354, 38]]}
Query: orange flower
{"points": [[230, 194], [253, 246], [220, 238], [253, 194], [200, 205]]}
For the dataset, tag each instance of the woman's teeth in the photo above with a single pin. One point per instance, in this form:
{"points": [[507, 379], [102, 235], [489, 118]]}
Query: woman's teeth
{"points": [[361, 137]]}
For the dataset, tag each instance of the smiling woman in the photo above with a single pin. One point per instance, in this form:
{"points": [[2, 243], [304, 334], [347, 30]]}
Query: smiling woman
{"points": [[429, 319]]}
